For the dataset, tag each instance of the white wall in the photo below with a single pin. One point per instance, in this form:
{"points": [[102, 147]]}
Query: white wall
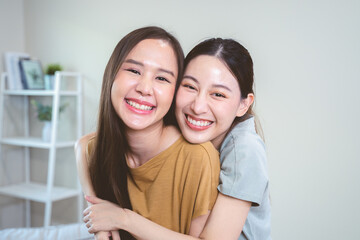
{"points": [[11, 27], [306, 55], [11, 39]]}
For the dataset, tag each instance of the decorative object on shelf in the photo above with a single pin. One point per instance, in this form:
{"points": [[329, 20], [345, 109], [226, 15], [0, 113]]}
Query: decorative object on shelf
{"points": [[31, 73], [46, 131], [44, 113], [13, 69], [49, 75]]}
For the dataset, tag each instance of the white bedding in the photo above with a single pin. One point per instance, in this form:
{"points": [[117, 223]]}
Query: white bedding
{"points": [[74, 231]]}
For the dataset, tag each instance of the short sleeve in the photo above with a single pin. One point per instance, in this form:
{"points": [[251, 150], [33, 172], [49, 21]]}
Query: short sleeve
{"points": [[243, 172], [208, 179], [89, 148]]}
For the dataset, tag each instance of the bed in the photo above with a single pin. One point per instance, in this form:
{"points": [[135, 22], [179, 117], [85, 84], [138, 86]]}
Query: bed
{"points": [[76, 231]]}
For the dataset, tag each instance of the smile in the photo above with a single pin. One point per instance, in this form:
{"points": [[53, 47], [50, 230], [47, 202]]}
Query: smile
{"points": [[197, 124], [139, 106]]}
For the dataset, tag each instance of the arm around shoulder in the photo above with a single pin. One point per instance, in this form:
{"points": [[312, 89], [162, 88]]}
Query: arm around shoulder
{"points": [[227, 218]]}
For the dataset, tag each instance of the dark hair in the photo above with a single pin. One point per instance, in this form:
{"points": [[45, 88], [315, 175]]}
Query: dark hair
{"points": [[239, 62], [108, 168]]}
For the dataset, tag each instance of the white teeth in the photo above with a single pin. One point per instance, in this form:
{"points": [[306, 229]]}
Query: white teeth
{"points": [[198, 123], [138, 106]]}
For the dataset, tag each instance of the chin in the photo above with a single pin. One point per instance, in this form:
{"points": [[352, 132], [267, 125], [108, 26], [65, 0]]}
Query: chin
{"points": [[194, 139]]}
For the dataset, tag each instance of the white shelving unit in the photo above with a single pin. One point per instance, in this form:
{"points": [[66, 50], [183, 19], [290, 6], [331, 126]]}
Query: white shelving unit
{"points": [[33, 191]]}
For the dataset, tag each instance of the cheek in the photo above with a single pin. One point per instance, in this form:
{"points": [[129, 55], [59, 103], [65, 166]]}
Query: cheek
{"points": [[113, 93], [224, 112], [182, 99], [165, 93]]}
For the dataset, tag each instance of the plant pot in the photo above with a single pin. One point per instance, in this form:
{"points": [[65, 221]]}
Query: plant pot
{"points": [[49, 82], [46, 131]]}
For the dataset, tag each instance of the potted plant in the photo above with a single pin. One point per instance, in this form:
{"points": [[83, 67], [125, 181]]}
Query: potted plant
{"points": [[44, 114], [49, 75]]}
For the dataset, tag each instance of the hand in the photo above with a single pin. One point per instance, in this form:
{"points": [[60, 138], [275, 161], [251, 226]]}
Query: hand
{"points": [[115, 235], [106, 235], [102, 215], [102, 235]]}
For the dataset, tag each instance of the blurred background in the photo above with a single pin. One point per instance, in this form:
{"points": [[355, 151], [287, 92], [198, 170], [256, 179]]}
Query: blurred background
{"points": [[307, 72]]}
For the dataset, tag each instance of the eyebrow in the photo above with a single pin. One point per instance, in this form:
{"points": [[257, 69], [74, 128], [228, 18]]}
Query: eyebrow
{"points": [[214, 85], [142, 65]]}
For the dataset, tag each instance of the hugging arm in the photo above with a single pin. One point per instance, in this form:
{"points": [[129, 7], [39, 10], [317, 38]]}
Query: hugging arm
{"points": [[225, 221], [106, 216]]}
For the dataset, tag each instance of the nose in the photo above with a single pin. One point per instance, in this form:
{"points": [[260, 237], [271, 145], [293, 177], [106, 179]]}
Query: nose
{"points": [[200, 104], [145, 85]]}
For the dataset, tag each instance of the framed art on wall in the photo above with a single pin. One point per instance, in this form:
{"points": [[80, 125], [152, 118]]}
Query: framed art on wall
{"points": [[32, 76]]}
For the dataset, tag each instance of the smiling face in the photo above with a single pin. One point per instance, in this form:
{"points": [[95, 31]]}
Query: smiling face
{"points": [[144, 86], [208, 100]]}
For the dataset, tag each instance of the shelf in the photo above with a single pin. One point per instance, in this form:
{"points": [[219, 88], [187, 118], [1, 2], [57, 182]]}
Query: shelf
{"points": [[33, 191], [38, 192], [35, 143], [38, 93]]}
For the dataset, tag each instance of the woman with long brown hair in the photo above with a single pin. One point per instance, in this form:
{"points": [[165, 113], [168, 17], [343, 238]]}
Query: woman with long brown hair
{"points": [[137, 158]]}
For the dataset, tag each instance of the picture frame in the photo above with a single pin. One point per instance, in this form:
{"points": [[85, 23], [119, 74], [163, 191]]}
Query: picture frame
{"points": [[32, 76]]}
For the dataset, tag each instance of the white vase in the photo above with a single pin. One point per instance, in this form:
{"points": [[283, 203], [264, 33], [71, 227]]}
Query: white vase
{"points": [[46, 131], [49, 82]]}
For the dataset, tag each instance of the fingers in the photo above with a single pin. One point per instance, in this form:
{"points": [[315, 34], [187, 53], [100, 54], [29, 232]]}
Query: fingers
{"points": [[115, 235], [91, 228], [88, 223], [87, 211], [93, 199], [102, 235], [86, 218]]}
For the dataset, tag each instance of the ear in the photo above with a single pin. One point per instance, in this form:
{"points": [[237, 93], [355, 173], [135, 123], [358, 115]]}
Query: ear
{"points": [[244, 105]]}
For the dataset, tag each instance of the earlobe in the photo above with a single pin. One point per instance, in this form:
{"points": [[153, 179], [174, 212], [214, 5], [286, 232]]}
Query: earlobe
{"points": [[244, 105]]}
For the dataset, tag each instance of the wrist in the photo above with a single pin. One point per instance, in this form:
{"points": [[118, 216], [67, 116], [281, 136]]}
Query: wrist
{"points": [[124, 217]]}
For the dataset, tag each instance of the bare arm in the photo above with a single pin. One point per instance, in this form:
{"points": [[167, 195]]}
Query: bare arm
{"points": [[225, 222], [103, 215], [151, 231], [227, 218], [227, 210]]}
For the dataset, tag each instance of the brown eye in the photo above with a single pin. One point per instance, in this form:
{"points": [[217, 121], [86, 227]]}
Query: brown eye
{"points": [[189, 86], [133, 71], [163, 79], [219, 95]]}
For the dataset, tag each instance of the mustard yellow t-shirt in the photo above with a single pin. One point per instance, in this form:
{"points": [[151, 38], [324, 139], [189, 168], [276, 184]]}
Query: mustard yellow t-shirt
{"points": [[177, 185]]}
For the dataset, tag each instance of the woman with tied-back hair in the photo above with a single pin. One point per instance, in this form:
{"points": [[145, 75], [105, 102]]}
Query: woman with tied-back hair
{"points": [[137, 159], [214, 102]]}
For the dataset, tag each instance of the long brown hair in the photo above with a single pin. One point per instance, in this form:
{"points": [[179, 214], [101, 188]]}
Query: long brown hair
{"points": [[108, 168], [239, 62]]}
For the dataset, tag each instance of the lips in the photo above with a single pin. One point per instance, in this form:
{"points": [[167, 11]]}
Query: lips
{"points": [[197, 123], [139, 106]]}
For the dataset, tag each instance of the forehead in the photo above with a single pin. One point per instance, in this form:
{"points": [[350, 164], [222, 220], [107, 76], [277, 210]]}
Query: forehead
{"points": [[210, 70], [154, 52]]}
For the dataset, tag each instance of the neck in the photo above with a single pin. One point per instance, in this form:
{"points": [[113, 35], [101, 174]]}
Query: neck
{"points": [[218, 141], [146, 143]]}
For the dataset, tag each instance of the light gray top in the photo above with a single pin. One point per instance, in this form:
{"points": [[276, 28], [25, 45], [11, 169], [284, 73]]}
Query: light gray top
{"points": [[244, 176]]}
